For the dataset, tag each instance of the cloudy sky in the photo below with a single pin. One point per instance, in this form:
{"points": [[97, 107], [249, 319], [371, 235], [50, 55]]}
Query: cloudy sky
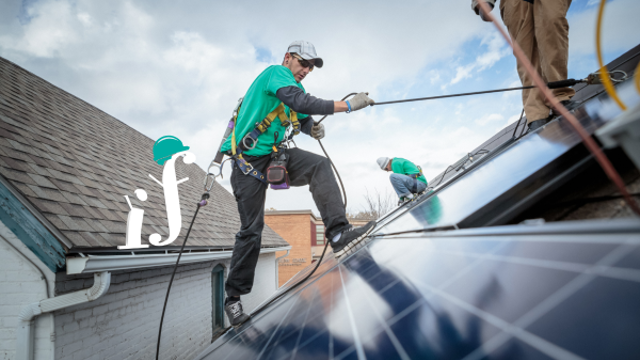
{"points": [[178, 68]]}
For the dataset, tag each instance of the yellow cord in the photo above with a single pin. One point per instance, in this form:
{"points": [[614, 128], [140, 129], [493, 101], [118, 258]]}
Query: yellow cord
{"points": [[604, 74], [233, 139], [637, 77]]}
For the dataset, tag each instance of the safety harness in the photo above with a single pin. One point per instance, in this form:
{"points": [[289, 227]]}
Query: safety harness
{"points": [[250, 140], [416, 175]]}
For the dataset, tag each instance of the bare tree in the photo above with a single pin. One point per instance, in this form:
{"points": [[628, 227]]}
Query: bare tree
{"points": [[376, 205]]}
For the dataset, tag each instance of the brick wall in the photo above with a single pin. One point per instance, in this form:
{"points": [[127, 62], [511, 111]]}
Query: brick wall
{"points": [[296, 230], [21, 284], [123, 324]]}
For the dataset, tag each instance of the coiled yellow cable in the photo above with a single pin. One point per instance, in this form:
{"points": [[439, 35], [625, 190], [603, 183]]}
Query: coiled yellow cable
{"points": [[604, 74]]}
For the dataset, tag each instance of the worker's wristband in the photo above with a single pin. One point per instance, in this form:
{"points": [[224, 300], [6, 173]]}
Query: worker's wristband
{"points": [[349, 106]]}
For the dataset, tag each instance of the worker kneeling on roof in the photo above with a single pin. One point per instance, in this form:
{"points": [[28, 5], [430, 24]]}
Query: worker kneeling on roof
{"points": [[278, 97], [407, 178]]}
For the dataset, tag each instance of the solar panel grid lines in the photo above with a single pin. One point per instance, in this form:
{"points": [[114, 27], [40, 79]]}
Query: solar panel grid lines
{"points": [[295, 301], [508, 330], [396, 343], [383, 296], [356, 336], [555, 299], [608, 271]]}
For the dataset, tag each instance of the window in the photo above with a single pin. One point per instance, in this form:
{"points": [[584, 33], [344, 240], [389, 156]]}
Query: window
{"points": [[217, 299], [319, 234]]}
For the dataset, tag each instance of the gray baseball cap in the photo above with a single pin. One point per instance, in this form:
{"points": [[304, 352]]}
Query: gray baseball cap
{"points": [[306, 50]]}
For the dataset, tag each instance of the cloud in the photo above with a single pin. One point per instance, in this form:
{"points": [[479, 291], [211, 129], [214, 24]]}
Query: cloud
{"points": [[486, 119], [496, 50], [166, 68], [620, 28]]}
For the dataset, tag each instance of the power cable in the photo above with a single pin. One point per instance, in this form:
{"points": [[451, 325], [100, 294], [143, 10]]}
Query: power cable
{"points": [[604, 74], [202, 203], [324, 250]]}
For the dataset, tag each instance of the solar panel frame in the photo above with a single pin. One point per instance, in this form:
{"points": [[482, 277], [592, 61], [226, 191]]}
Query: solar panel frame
{"points": [[359, 292]]}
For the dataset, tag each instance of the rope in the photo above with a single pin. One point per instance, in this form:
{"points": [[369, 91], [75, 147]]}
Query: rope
{"points": [[586, 138], [173, 274], [324, 250], [551, 85]]}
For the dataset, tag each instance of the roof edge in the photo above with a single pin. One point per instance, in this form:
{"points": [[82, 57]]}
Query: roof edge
{"points": [[36, 213], [98, 263]]}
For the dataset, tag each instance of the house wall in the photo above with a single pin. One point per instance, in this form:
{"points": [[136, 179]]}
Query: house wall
{"points": [[21, 283], [296, 230], [123, 324]]}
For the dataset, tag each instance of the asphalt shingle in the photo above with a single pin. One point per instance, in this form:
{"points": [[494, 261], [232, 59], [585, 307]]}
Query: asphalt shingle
{"points": [[75, 163]]}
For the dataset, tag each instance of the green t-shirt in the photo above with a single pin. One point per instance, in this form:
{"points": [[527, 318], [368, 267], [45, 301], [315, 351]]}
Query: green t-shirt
{"points": [[406, 167], [258, 102]]}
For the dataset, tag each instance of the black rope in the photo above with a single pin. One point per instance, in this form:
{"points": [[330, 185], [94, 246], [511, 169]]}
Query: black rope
{"points": [[324, 250], [518, 124], [551, 85], [173, 274]]}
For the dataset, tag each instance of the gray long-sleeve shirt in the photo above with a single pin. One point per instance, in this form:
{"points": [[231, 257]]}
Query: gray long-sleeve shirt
{"points": [[298, 101]]}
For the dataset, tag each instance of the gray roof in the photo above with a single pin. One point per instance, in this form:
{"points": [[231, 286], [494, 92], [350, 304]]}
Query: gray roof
{"points": [[74, 163]]}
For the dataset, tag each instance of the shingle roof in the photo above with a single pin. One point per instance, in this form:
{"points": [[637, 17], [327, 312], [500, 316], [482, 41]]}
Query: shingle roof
{"points": [[75, 163]]}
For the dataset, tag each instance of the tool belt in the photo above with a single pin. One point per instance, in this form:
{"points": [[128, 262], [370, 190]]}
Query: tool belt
{"points": [[250, 140], [277, 174]]}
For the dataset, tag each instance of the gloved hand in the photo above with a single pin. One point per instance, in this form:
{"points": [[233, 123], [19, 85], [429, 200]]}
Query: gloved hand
{"points": [[317, 131], [478, 10], [360, 101]]}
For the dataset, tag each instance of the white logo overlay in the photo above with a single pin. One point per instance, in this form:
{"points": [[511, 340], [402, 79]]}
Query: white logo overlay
{"points": [[172, 203]]}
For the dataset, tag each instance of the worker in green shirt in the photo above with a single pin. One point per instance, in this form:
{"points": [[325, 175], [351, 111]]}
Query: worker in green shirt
{"points": [[277, 94], [407, 178]]}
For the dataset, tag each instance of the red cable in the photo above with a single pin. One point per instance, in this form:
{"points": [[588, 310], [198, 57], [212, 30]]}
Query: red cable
{"points": [[586, 138]]}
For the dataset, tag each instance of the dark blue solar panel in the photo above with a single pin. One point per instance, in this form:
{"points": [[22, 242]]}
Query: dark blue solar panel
{"points": [[466, 196], [501, 296], [516, 164], [557, 291]]}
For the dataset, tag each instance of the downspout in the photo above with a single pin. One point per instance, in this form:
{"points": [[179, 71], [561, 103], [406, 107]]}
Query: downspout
{"points": [[24, 335], [277, 261]]}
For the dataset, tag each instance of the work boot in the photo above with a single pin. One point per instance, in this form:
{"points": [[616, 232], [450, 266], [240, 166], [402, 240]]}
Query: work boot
{"points": [[536, 124], [234, 312], [569, 104], [350, 238]]}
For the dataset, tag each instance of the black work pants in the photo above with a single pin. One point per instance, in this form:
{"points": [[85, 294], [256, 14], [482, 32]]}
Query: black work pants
{"points": [[304, 168]]}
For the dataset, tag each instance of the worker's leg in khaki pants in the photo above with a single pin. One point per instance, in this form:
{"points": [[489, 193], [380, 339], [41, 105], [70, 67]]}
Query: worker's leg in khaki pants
{"points": [[518, 16], [552, 36]]}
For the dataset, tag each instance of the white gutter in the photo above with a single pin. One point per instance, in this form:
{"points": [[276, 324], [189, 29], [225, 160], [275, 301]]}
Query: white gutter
{"points": [[96, 263], [24, 335]]}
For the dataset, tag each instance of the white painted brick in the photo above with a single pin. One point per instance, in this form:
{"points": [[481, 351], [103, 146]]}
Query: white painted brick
{"points": [[21, 283], [123, 324]]}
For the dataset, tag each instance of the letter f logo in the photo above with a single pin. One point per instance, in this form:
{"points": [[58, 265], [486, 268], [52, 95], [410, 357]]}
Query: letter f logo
{"points": [[166, 151]]}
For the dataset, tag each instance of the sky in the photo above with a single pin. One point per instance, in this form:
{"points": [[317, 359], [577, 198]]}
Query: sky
{"points": [[179, 67]]}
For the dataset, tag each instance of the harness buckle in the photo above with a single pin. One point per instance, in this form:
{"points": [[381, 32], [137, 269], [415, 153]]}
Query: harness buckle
{"points": [[248, 167], [254, 142], [211, 176]]}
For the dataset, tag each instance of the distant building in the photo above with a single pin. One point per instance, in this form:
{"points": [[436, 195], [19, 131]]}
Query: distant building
{"points": [[305, 233], [66, 290]]}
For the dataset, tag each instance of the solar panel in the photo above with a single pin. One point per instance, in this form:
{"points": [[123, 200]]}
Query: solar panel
{"points": [[502, 295], [424, 286], [496, 191]]}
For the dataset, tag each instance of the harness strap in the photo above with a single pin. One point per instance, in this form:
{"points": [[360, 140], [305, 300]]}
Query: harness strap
{"points": [[261, 128]]}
